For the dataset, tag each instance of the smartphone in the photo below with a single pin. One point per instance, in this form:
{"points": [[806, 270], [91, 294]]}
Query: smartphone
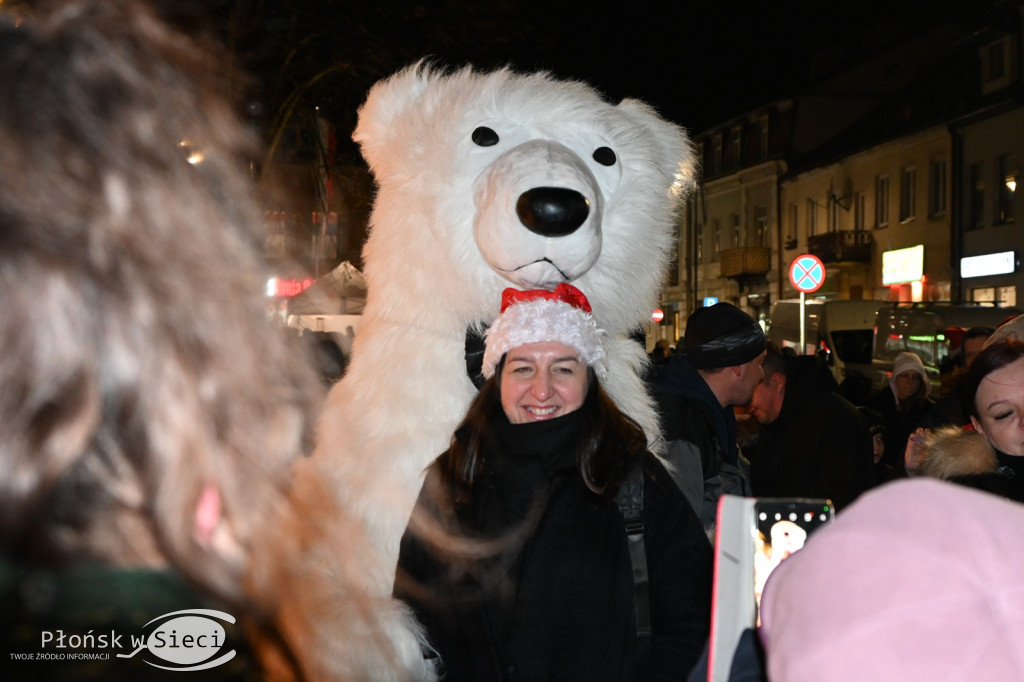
{"points": [[752, 537]]}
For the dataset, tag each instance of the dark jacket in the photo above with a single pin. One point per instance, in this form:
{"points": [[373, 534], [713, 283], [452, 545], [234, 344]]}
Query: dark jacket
{"points": [[700, 438], [818, 447], [947, 411], [556, 601], [899, 425]]}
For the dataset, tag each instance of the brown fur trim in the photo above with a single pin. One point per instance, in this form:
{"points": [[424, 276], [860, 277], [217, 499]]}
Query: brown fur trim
{"points": [[950, 451]]}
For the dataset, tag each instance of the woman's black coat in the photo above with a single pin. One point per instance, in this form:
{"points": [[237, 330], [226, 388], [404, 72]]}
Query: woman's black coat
{"points": [[557, 604]]}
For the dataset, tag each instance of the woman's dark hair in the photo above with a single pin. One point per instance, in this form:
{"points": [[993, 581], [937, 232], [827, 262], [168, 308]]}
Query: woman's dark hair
{"points": [[996, 356], [611, 442]]}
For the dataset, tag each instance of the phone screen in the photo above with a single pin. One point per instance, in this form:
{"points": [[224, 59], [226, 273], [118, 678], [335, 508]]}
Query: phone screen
{"points": [[752, 537], [781, 527]]}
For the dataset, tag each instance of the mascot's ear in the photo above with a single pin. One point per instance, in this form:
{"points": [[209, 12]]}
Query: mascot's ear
{"points": [[388, 101], [671, 142]]}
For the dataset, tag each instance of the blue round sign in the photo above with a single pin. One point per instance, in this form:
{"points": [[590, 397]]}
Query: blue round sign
{"points": [[806, 273]]}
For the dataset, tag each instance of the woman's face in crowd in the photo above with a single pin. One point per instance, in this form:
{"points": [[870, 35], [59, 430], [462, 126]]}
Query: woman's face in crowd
{"points": [[541, 381], [907, 384], [1000, 405]]}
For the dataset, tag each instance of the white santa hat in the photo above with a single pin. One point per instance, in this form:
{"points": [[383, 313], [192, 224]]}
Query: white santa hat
{"points": [[538, 315]]}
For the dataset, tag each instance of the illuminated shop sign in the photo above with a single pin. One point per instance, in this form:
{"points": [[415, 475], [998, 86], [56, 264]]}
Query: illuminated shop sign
{"points": [[990, 264], [286, 288], [903, 265]]}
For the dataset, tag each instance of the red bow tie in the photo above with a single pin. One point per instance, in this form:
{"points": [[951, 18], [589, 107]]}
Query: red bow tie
{"points": [[566, 293]]}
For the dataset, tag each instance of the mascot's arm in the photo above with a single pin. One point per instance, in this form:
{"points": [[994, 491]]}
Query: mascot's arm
{"points": [[626, 362]]}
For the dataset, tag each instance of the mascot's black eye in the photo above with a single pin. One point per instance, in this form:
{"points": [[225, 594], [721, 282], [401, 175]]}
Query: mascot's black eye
{"points": [[604, 156], [486, 137]]}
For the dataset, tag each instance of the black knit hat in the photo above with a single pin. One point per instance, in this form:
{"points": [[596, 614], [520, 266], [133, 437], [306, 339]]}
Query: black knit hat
{"points": [[722, 336]]}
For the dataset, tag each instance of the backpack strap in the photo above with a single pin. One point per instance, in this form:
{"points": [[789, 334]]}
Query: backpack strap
{"points": [[631, 503]]}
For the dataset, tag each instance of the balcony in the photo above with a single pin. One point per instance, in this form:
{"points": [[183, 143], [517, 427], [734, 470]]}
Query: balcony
{"points": [[746, 261], [844, 246]]}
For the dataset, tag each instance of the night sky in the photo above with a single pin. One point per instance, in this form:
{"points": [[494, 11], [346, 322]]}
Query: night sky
{"points": [[699, 62]]}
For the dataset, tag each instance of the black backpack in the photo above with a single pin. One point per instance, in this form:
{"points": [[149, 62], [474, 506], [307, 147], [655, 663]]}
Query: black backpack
{"points": [[631, 504]]}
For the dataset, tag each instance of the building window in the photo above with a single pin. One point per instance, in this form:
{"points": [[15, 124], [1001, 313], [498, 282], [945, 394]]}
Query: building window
{"points": [[764, 121], [833, 214], [1004, 296], [716, 160], [1007, 187], [860, 207], [737, 230], [737, 146], [794, 222], [812, 217], [761, 225], [996, 60], [716, 237], [881, 201], [908, 194], [936, 188], [983, 294], [700, 244], [996, 65], [977, 205]]}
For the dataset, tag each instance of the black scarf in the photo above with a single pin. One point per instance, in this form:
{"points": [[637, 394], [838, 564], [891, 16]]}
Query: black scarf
{"points": [[519, 470]]}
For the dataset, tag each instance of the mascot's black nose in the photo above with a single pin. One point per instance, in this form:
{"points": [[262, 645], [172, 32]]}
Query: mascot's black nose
{"points": [[552, 211]]}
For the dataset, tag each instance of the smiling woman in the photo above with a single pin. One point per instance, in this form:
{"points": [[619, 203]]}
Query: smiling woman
{"points": [[516, 556], [542, 380]]}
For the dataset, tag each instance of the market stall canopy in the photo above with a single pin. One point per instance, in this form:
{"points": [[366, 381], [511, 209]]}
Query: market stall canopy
{"points": [[342, 291]]}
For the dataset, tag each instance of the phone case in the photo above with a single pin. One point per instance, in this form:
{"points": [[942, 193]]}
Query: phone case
{"points": [[752, 536]]}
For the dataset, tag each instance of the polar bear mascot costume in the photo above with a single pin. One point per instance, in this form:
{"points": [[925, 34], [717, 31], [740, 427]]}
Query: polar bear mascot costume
{"points": [[487, 181]]}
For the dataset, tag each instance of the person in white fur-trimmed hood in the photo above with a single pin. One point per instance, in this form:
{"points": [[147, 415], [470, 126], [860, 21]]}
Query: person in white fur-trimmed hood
{"points": [[516, 559], [903, 403]]}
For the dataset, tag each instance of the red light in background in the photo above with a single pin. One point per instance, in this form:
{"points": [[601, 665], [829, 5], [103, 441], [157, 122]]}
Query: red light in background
{"points": [[286, 288]]}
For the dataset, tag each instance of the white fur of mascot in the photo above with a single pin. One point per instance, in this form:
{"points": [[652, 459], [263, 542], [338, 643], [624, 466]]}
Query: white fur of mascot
{"points": [[465, 164]]}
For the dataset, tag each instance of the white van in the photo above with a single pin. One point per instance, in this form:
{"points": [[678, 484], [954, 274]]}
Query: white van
{"points": [[840, 331]]}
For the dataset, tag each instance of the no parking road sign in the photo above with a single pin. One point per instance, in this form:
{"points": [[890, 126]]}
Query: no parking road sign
{"points": [[806, 273]]}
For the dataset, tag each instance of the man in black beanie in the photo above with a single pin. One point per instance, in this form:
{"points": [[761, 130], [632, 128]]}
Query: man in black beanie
{"points": [[717, 368]]}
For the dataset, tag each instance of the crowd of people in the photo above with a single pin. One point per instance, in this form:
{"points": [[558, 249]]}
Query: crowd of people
{"points": [[155, 425]]}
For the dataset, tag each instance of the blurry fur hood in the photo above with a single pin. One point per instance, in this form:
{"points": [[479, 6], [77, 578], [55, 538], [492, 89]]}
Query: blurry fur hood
{"points": [[951, 451]]}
